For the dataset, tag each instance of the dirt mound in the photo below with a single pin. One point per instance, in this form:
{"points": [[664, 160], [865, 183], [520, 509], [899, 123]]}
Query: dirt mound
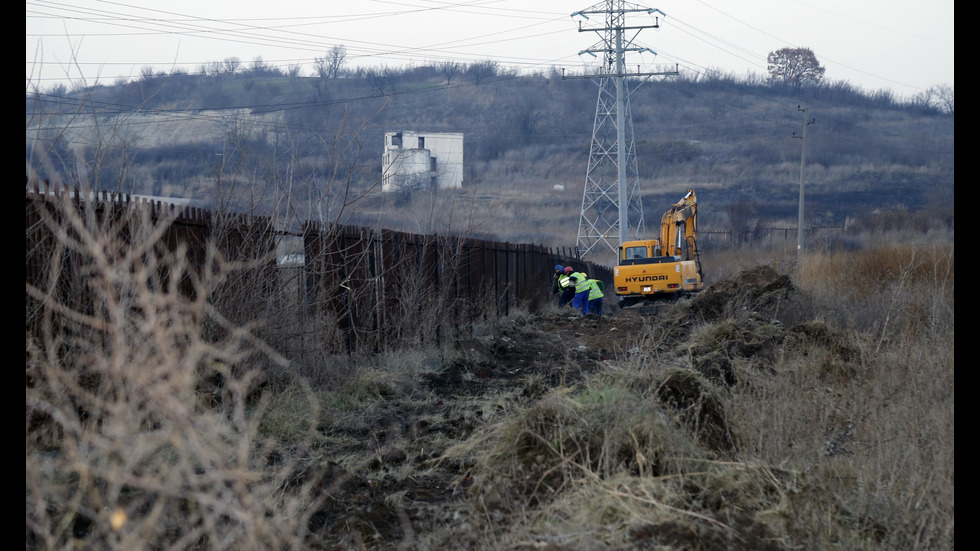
{"points": [[759, 292], [697, 404]]}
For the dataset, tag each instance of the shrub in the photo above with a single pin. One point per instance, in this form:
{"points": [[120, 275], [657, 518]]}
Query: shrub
{"points": [[140, 431]]}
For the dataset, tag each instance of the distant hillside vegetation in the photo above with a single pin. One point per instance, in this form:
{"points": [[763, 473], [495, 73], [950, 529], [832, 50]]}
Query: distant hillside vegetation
{"points": [[309, 147]]}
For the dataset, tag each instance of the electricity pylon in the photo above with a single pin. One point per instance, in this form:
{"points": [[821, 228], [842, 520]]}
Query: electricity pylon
{"points": [[611, 208]]}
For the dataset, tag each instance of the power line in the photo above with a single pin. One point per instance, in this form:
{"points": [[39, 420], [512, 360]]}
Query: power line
{"points": [[233, 30]]}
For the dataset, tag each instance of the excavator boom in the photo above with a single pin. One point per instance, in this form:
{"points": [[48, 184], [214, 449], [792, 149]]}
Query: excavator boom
{"points": [[678, 228]]}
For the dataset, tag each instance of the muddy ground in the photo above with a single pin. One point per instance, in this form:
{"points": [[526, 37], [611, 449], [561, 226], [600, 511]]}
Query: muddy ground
{"points": [[389, 485]]}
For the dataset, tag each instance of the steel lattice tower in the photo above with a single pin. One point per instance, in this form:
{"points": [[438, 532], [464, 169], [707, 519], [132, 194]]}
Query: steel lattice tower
{"points": [[611, 208]]}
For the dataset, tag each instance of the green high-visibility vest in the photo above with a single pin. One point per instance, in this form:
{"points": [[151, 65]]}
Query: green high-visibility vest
{"points": [[594, 291], [581, 283], [563, 281]]}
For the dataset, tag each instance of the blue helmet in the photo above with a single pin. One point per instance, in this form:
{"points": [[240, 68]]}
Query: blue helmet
{"points": [[558, 268]]}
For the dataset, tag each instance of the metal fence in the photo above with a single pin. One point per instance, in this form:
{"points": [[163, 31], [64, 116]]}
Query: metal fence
{"points": [[389, 286], [378, 287], [765, 235]]}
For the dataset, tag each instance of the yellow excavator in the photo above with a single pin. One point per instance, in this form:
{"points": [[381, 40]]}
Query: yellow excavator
{"points": [[668, 267]]}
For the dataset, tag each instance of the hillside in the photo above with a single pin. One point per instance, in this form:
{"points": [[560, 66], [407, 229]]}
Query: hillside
{"points": [[305, 147]]}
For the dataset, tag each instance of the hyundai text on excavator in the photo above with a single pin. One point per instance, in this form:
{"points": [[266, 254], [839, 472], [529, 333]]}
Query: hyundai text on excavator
{"points": [[662, 268]]}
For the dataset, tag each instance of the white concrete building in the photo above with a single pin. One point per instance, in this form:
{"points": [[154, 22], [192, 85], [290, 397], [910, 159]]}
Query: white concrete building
{"points": [[419, 160]]}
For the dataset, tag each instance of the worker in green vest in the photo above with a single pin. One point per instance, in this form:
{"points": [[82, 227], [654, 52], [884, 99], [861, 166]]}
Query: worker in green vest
{"points": [[581, 298], [594, 301]]}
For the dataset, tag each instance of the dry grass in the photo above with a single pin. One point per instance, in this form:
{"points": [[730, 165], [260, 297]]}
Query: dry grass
{"points": [[860, 401], [819, 416], [886, 421], [842, 427]]}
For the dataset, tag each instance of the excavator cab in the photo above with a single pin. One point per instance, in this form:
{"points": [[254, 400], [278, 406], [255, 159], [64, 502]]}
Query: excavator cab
{"points": [[640, 252], [646, 249]]}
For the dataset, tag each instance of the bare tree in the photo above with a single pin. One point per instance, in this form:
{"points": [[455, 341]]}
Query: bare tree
{"points": [[939, 97], [380, 79], [943, 97], [450, 69], [259, 66], [330, 66], [211, 68], [231, 65], [795, 66], [483, 70]]}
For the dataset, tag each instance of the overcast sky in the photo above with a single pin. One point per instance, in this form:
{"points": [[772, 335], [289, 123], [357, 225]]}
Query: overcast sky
{"points": [[898, 45]]}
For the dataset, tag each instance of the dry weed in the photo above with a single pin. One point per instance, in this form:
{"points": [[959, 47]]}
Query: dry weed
{"points": [[141, 432]]}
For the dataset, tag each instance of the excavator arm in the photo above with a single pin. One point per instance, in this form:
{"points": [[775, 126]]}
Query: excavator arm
{"points": [[679, 228]]}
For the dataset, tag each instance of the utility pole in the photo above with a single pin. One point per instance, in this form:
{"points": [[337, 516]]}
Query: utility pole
{"points": [[799, 228], [611, 181]]}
